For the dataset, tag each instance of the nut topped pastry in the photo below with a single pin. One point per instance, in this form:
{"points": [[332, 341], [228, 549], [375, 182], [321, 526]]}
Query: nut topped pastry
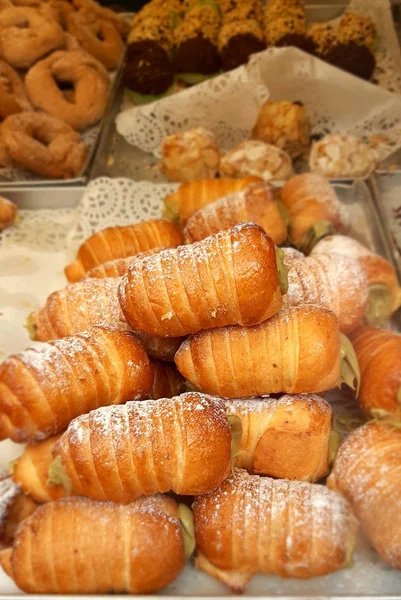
{"points": [[324, 36], [254, 157], [359, 29], [341, 156], [238, 40], [190, 155]]}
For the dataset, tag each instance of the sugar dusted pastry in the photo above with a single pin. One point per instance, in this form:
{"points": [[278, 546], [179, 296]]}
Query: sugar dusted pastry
{"points": [[313, 209], [324, 35], [367, 473], [336, 282], [285, 125], [286, 438], [337, 156], [360, 29], [190, 155], [379, 357], [98, 548], [291, 256], [148, 447], [297, 351], [256, 203], [254, 524], [228, 278], [118, 266], [42, 389], [8, 213], [256, 158]]}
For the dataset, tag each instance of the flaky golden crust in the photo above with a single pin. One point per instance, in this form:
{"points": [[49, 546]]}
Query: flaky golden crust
{"points": [[286, 438], [117, 267], [12, 92], [256, 524], [75, 546], [8, 212], [43, 389], [367, 472], [379, 356], [256, 203], [148, 447], [297, 351], [228, 278], [167, 381], [31, 471], [120, 242]]}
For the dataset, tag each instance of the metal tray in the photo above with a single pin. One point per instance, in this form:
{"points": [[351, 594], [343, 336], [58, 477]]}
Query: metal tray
{"points": [[44, 197]]}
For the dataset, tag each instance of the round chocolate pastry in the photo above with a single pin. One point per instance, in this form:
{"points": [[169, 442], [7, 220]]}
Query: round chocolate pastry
{"points": [[353, 58], [197, 55], [148, 69], [238, 50], [303, 42]]}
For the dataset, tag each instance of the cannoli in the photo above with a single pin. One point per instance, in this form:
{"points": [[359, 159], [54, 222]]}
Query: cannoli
{"points": [[313, 208], [285, 125], [359, 29], [256, 524], [118, 266], [384, 287], [324, 36], [238, 40], [228, 278], [339, 156], [291, 256], [159, 348], [288, 438], [254, 157], [297, 351], [190, 155], [8, 213], [256, 203], [353, 58], [181, 444], [120, 242], [43, 389], [167, 381], [367, 473], [78, 546], [379, 356]]}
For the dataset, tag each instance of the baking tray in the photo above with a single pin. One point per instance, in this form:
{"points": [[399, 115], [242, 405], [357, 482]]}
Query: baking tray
{"points": [[44, 197], [369, 577]]}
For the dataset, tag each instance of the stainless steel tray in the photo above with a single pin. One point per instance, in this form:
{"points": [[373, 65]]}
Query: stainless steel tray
{"points": [[44, 197]]}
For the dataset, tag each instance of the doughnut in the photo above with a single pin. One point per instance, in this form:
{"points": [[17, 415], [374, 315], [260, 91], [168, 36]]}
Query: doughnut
{"points": [[71, 43], [44, 144], [104, 13], [86, 84], [62, 9], [12, 92], [26, 35], [97, 36]]}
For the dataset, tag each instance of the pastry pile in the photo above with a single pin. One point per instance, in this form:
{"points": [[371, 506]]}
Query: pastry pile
{"points": [[54, 82], [174, 406]]}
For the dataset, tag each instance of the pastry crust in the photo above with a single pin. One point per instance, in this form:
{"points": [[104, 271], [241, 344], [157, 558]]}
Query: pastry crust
{"points": [[117, 267], [256, 158], [190, 155], [13, 97]]}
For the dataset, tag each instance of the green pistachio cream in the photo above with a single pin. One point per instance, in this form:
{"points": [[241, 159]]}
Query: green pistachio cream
{"points": [[282, 270], [188, 529], [350, 374], [236, 434], [320, 230], [380, 305], [57, 475], [31, 326]]}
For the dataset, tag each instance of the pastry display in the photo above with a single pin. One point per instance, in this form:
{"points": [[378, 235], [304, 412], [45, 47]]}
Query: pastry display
{"points": [[71, 376], [278, 514], [379, 357], [181, 291], [287, 438], [157, 447], [285, 125], [341, 156], [367, 473], [8, 213], [256, 158], [256, 203], [190, 155]]}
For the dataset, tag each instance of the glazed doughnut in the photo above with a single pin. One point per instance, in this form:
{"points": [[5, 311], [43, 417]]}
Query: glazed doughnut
{"points": [[97, 36], [44, 144], [26, 35], [12, 92], [85, 102]]}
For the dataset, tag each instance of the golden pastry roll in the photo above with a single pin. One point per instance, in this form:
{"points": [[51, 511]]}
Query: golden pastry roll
{"points": [[298, 351], [379, 357], [256, 203], [194, 195], [384, 287], [286, 438], [228, 278], [120, 242], [367, 473], [14, 508], [167, 381], [253, 524], [42, 389], [117, 267], [180, 444], [314, 209], [78, 546]]}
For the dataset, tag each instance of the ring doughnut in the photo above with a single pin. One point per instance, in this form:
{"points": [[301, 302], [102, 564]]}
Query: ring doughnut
{"points": [[71, 43], [86, 85], [103, 12], [44, 145], [26, 35], [12, 92], [97, 36]]}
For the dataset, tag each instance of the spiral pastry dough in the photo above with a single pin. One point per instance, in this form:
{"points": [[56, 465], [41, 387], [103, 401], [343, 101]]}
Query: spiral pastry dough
{"points": [[97, 36], [85, 102], [12, 92], [26, 35], [44, 144]]}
